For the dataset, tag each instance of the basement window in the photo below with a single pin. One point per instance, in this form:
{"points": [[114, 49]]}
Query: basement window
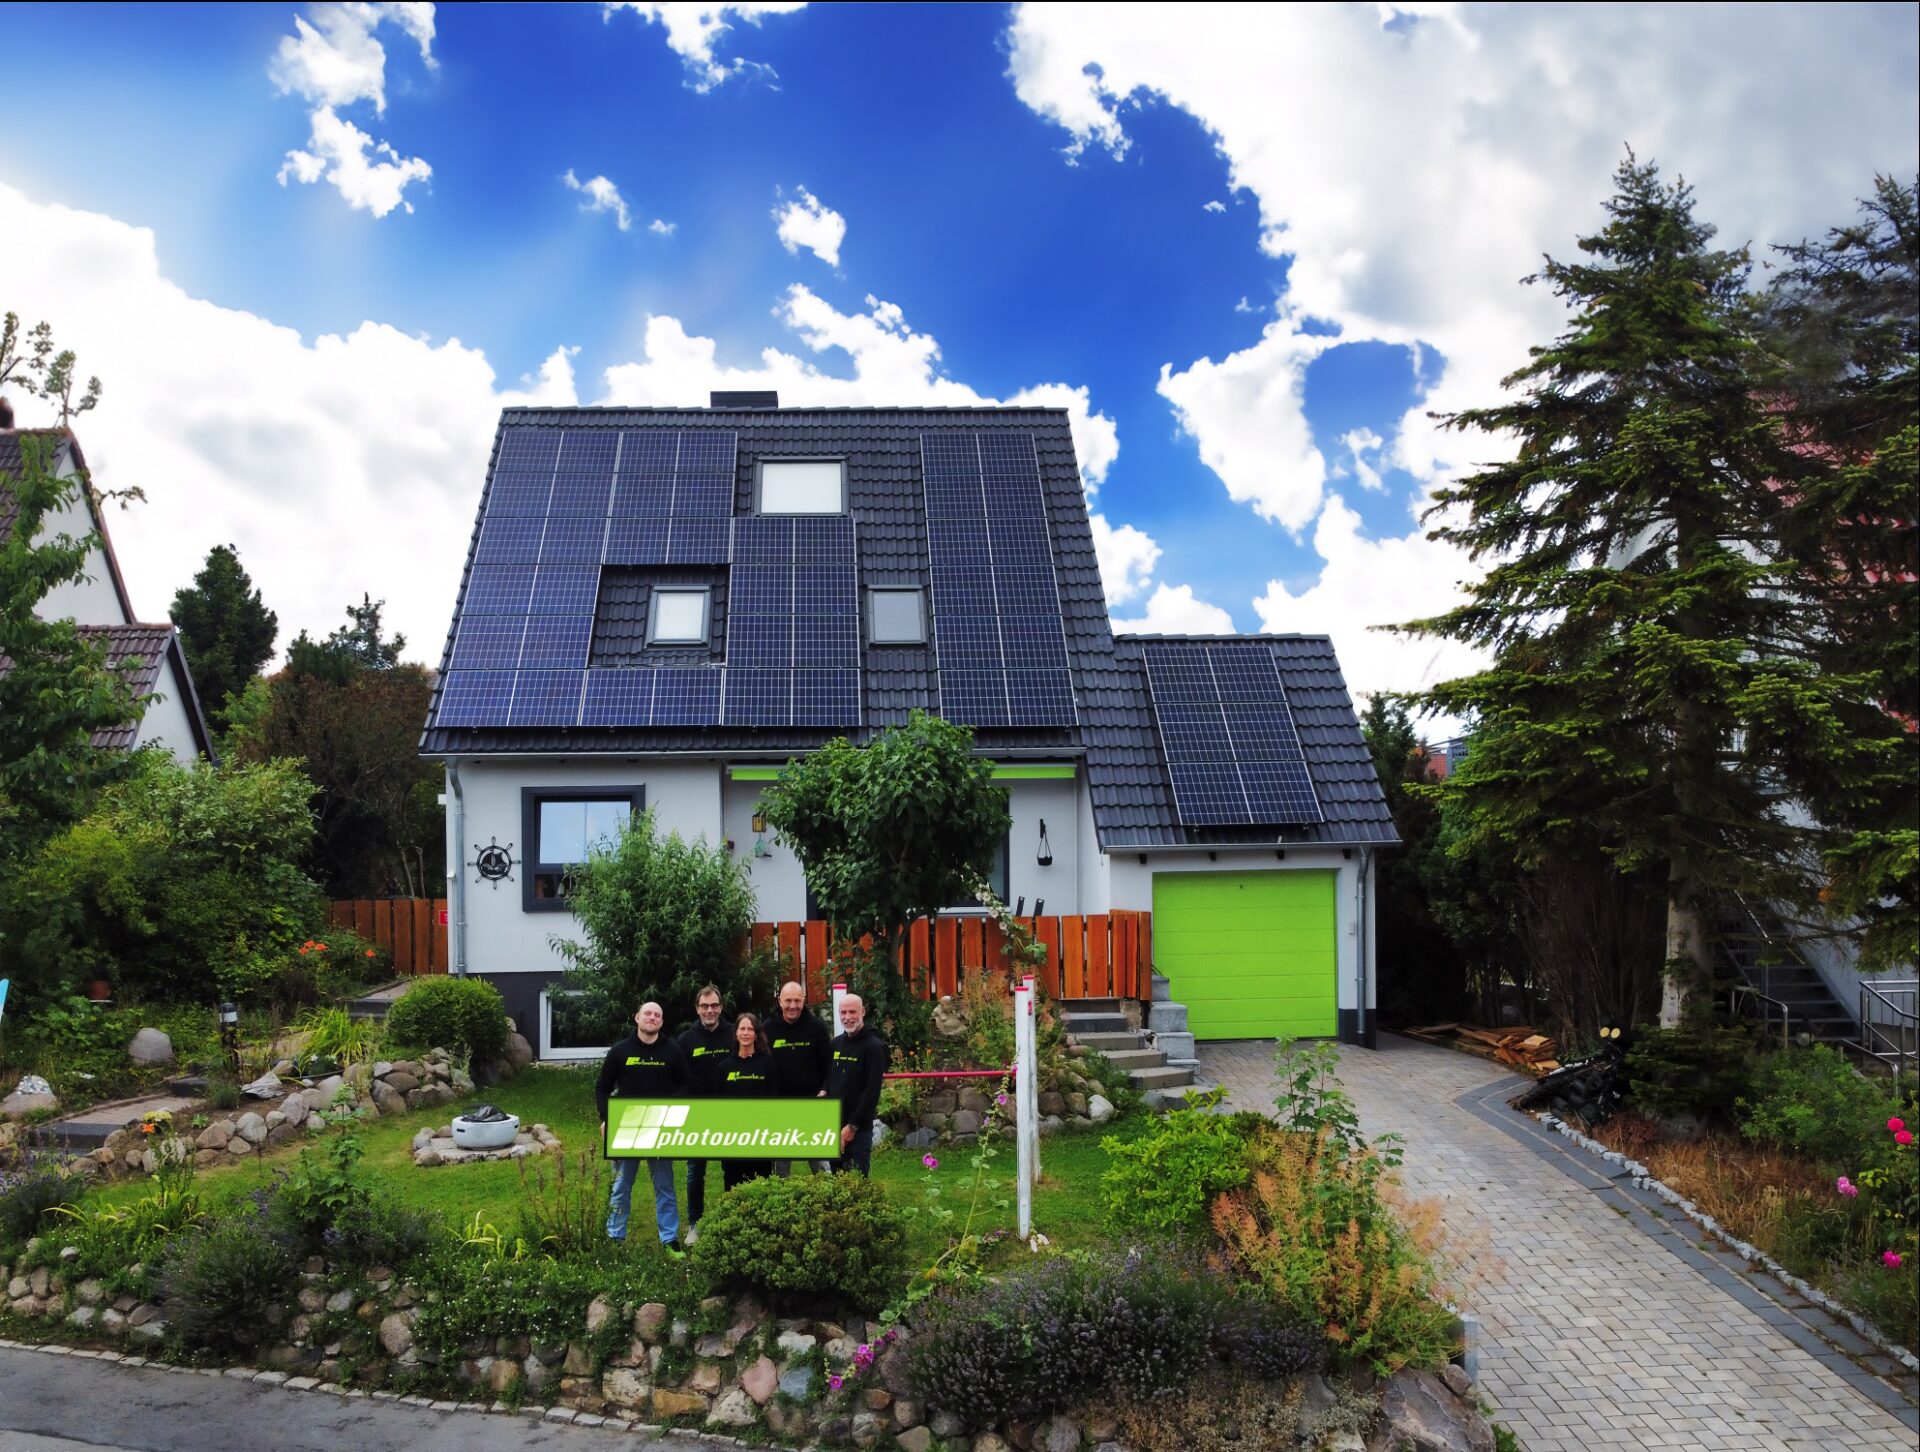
{"points": [[803, 486]]}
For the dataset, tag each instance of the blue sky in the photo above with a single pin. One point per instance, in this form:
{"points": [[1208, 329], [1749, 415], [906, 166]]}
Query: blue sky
{"points": [[1253, 248]]}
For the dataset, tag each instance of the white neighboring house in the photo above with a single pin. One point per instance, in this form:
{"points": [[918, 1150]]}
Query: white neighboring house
{"points": [[661, 607], [98, 603]]}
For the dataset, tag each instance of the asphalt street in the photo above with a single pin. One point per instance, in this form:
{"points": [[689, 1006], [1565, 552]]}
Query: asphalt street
{"points": [[68, 1403]]}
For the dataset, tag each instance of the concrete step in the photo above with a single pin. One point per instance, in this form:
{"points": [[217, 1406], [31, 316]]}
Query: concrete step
{"points": [[1109, 1043], [1167, 1016], [1080, 1025], [1178, 1047], [1131, 1059], [86, 1130], [1145, 1079], [1079, 1007], [1162, 988]]}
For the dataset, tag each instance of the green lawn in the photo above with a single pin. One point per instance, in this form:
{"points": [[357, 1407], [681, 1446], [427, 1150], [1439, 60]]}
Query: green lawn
{"points": [[1066, 1202]]}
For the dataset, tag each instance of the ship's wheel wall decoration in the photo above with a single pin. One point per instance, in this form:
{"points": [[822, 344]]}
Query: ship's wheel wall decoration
{"points": [[493, 862]]}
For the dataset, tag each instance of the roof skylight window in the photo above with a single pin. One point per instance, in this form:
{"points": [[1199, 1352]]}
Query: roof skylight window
{"points": [[678, 617], [803, 486]]}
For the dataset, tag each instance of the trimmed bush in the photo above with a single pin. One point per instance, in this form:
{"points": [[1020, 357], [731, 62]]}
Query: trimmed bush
{"points": [[1162, 1182], [1694, 1069], [806, 1237], [220, 1280], [464, 1015]]}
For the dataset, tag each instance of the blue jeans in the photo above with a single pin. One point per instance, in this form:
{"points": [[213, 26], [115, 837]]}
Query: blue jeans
{"points": [[666, 1208]]}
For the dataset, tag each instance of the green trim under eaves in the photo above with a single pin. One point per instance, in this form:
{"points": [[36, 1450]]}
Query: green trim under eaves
{"points": [[1064, 772]]}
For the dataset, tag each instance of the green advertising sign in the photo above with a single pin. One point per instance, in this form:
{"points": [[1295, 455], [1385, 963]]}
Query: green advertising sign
{"points": [[723, 1129]]}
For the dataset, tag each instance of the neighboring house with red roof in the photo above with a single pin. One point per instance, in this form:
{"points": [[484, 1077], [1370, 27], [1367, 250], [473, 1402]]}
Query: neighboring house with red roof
{"points": [[98, 603]]}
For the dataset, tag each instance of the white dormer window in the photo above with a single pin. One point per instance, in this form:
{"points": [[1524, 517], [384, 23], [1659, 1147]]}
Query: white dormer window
{"points": [[803, 486]]}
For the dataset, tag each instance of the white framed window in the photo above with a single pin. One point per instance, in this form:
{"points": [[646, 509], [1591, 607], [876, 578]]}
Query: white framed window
{"points": [[896, 617], [678, 616], [561, 1036], [803, 486]]}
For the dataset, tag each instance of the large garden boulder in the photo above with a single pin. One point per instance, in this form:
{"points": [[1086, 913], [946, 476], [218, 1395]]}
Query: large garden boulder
{"points": [[150, 1046], [519, 1051], [24, 1100], [1420, 1411]]}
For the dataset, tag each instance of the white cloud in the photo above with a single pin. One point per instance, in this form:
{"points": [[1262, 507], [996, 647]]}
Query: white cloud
{"points": [[1174, 610], [1215, 206], [1127, 557], [603, 196], [369, 174], [333, 60], [1247, 305], [338, 465], [1369, 582], [663, 228], [694, 29], [808, 222], [1360, 443]]}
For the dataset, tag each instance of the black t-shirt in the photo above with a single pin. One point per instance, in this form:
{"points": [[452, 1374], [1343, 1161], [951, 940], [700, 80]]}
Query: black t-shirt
{"points": [[707, 1050], [859, 1068], [803, 1050], [633, 1070]]}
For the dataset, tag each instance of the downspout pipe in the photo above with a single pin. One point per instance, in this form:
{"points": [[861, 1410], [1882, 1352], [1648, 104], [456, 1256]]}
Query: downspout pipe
{"points": [[1363, 1031], [456, 870]]}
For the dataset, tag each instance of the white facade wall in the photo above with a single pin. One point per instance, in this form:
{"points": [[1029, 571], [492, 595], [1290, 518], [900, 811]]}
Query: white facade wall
{"points": [[166, 722], [91, 600]]}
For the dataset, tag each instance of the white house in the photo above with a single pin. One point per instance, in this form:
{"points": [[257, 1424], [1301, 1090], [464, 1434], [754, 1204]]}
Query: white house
{"points": [[663, 606], [98, 603]]}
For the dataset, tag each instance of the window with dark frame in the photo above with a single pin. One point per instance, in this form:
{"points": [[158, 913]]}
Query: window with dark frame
{"points": [[561, 827], [896, 617], [678, 615], [801, 486]]}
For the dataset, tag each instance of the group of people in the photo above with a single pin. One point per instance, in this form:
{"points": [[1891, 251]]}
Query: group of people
{"points": [[789, 1055]]}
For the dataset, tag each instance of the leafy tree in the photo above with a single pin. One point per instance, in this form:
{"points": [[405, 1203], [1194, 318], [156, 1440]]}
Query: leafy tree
{"points": [[662, 917], [226, 629], [893, 830], [181, 882], [57, 689], [44, 369], [1843, 318], [1646, 694], [351, 712]]}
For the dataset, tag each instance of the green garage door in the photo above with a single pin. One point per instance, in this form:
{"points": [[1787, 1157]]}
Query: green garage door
{"points": [[1251, 954]]}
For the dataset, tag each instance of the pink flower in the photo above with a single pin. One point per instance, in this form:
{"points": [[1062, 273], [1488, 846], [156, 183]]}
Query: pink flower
{"points": [[863, 1355], [1846, 1187], [930, 1162], [1896, 1124], [835, 1382], [1891, 1259], [1000, 1099], [1903, 1136]]}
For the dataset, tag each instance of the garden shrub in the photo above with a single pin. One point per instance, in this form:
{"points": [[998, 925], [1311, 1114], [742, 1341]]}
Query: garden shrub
{"points": [[323, 1183], [1698, 1069], [111, 1238], [28, 1198], [463, 1015], [220, 1280], [805, 1238], [1163, 1181], [564, 1212], [1317, 1229], [1057, 1332], [482, 1291], [380, 1229], [1813, 1102]]}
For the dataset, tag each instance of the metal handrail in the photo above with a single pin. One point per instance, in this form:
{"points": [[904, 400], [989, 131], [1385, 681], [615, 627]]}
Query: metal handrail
{"points": [[1737, 992], [1895, 1039]]}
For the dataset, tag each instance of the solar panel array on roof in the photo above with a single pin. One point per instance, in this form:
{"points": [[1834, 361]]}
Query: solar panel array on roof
{"points": [[793, 640], [998, 637], [1232, 751]]}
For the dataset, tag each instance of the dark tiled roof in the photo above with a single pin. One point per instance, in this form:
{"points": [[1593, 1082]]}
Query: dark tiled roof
{"points": [[1126, 766], [11, 462], [138, 651]]}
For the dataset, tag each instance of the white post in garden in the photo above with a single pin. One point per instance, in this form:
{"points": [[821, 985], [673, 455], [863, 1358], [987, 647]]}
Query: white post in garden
{"points": [[839, 992], [1033, 1064], [1022, 1085]]}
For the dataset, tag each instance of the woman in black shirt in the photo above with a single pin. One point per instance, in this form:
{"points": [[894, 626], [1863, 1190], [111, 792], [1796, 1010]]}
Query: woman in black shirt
{"points": [[750, 1074]]}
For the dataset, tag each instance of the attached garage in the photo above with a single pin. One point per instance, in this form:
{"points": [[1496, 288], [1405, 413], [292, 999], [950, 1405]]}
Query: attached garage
{"points": [[1251, 954]]}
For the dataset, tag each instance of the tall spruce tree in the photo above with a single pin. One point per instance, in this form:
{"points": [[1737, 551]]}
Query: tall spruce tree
{"points": [[1843, 319], [226, 628], [1647, 694]]}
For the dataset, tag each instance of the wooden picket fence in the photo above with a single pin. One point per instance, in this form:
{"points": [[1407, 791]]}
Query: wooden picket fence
{"points": [[413, 929], [1099, 955]]}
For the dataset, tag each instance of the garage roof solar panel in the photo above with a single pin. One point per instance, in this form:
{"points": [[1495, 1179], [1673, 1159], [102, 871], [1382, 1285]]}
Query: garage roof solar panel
{"points": [[1233, 754]]}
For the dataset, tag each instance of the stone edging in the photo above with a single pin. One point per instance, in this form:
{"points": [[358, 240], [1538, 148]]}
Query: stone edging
{"points": [[290, 1382], [1643, 1177]]}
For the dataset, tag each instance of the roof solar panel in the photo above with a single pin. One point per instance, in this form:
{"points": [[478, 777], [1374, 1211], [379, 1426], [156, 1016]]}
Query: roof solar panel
{"points": [[474, 698], [588, 451], [487, 642], [759, 641], [963, 592], [760, 590], [1209, 794], [636, 541], [824, 641], [546, 698], [824, 541], [1025, 590], [698, 541], [968, 642], [581, 494], [1195, 732], [706, 451], [618, 698], [762, 539], [758, 698], [1262, 732], [556, 642], [648, 451], [950, 497], [510, 540], [642, 498], [826, 697], [974, 698], [497, 590], [958, 539], [573, 539], [1222, 708], [1034, 642], [686, 696], [705, 496], [1019, 542], [528, 448], [1040, 698], [519, 493], [1279, 791], [1245, 673], [1179, 671], [565, 590], [823, 589]]}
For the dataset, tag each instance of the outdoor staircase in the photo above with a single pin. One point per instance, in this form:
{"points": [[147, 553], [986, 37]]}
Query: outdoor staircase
{"points": [[1760, 954], [1158, 1059]]}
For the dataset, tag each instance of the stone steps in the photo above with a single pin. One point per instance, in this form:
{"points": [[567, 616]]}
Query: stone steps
{"points": [[1159, 1060], [1110, 1043]]}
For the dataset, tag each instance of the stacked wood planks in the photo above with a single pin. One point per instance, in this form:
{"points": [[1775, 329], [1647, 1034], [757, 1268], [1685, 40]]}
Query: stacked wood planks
{"points": [[1520, 1048]]}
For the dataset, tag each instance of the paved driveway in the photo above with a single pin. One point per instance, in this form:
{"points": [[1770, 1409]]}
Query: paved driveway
{"points": [[1597, 1332]]}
